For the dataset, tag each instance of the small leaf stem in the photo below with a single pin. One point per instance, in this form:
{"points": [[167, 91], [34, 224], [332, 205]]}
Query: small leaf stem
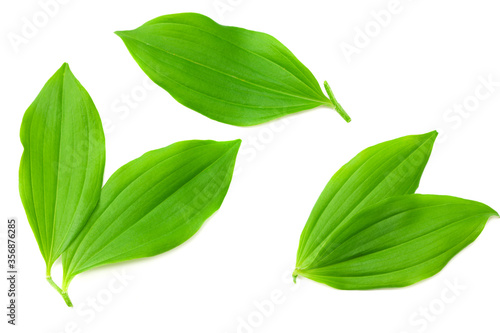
{"points": [[336, 104], [63, 293], [294, 275]]}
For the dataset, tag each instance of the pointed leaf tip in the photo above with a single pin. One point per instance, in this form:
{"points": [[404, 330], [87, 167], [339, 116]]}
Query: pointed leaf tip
{"points": [[237, 142], [62, 70], [122, 33], [434, 133]]}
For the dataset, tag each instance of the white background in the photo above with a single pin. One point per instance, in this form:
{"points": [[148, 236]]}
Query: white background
{"points": [[404, 80]]}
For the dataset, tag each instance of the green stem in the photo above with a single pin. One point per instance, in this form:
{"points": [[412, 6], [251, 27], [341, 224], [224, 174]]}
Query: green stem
{"points": [[336, 104], [63, 293], [66, 281], [294, 275]]}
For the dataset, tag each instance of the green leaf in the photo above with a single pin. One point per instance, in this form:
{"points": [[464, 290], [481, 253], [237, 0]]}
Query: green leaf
{"points": [[388, 169], [399, 241], [232, 75], [60, 175], [153, 204]]}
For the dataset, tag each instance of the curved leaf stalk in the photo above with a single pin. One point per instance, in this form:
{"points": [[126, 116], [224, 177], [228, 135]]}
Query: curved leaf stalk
{"points": [[63, 293], [336, 104]]}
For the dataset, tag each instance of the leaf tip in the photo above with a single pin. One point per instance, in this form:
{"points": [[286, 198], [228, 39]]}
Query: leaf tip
{"points": [[430, 136], [121, 33], [64, 68], [494, 212], [237, 142], [233, 144]]}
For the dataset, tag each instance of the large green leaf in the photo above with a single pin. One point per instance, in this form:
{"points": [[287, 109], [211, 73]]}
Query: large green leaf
{"points": [[62, 165], [384, 170], [229, 74], [153, 204], [399, 241]]}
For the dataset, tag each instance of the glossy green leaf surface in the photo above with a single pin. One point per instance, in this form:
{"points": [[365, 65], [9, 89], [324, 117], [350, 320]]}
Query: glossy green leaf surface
{"points": [[399, 241], [388, 169], [153, 204], [62, 165], [232, 75]]}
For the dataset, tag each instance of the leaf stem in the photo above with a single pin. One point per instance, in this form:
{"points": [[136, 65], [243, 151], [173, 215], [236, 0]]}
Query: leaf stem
{"points": [[294, 275], [63, 293], [336, 104]]}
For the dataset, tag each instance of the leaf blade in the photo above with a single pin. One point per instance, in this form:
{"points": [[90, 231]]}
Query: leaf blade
{"points": [[401, 240], [62, 165], [228, 74], [387, 169], [152, 204]]}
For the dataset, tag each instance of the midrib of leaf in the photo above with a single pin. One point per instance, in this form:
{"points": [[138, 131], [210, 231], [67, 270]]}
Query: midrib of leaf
{"points": [[242, 64], [373, 225], [321, 245], [227, 74], [333, 199], [123, 212], [60, 102], [452, 249], [355, 210], [246, 50], [87, 117], [215, 98], [163, 235], [113, 200], [359, 255], [128, 185], [158, 204]]}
